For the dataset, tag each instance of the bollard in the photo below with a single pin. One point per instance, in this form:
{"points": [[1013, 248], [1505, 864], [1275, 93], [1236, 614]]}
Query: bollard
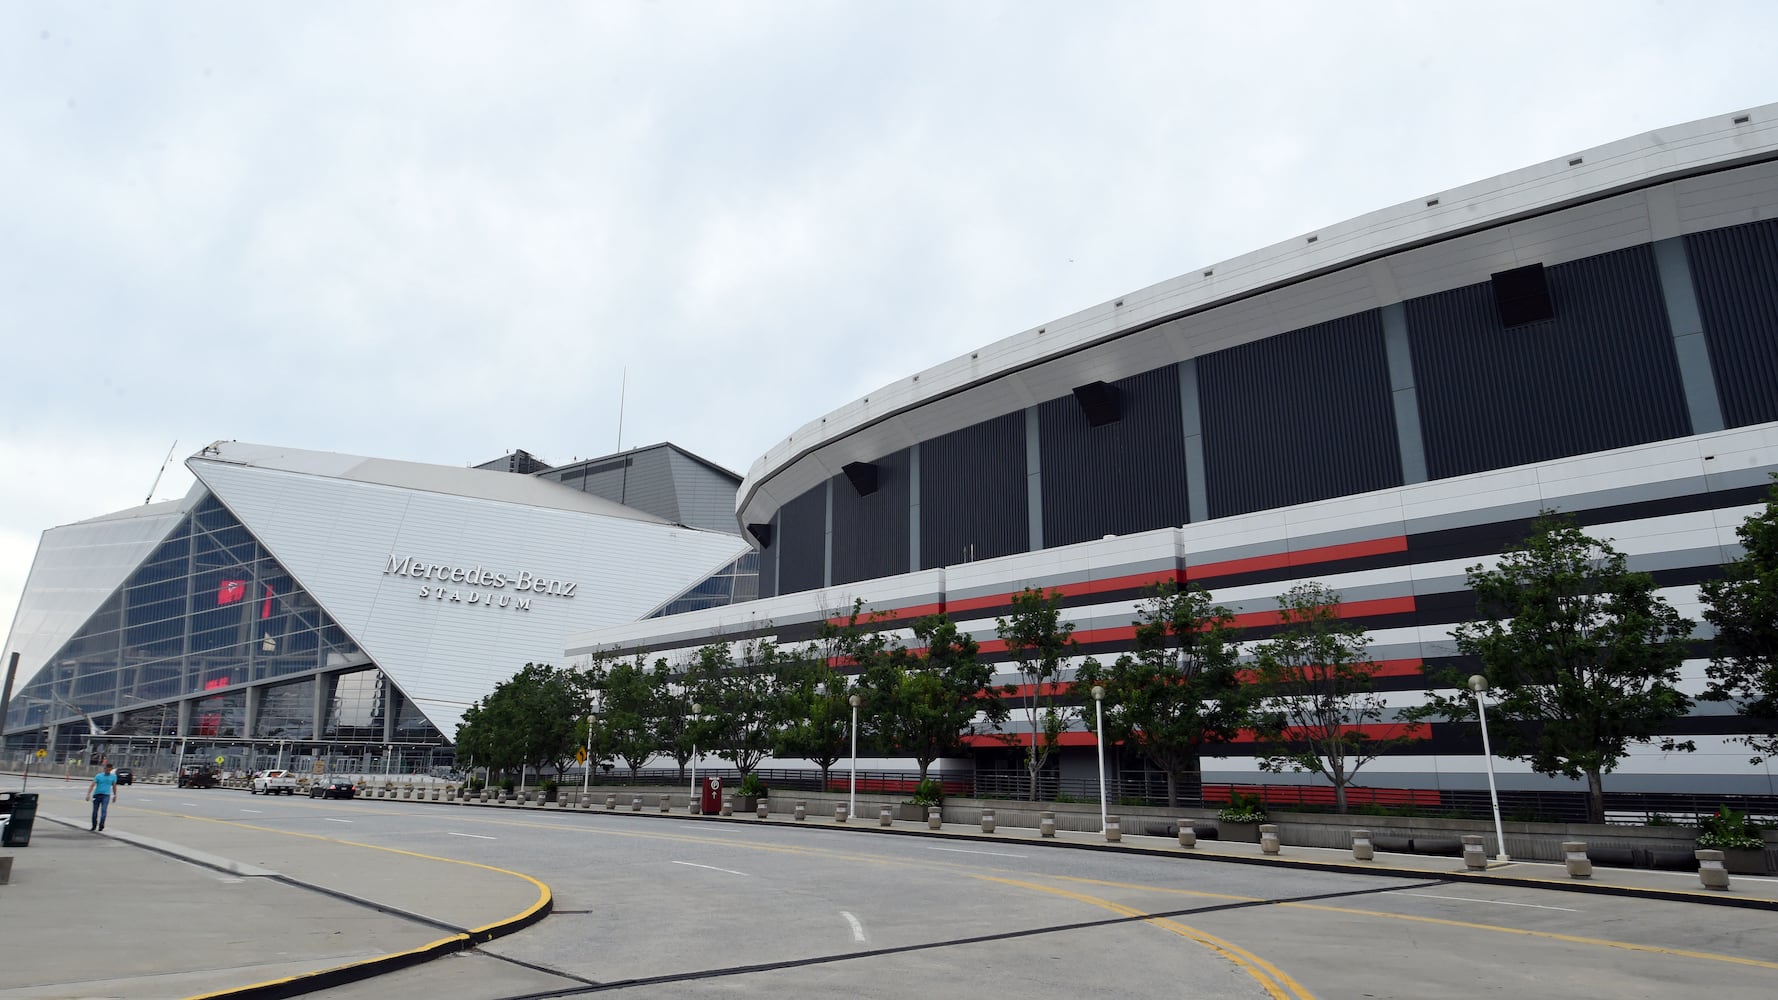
{"points": [[934, 818], [1710, 869], [802, 810], [1112, 831], [611, 801], [1362, 850], [1475, 856], [1188, 834], [1574, 855], [666, 803], [636, 803], [1046, 824], [696, 807], [839, 812], [1268, 838], [885, 816], [728, 805], [987, 821], [761, 810]]}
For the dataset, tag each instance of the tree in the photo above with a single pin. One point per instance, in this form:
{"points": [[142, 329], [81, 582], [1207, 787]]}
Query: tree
{"points": [[1581, 654], [626, 713], [1742, 604], [670, 699], [1317, 698], [924, 703], [739, 701], [1040, 643], [814, 716], [1181, 690], [530, 719]]}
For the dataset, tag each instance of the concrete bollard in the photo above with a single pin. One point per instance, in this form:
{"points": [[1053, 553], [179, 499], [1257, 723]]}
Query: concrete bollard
{"points": [[666, 803], [1710, 869], [839, 812], [635, 803], [611, 801], [885, 816], [802, 810], [1046, 824], [987, 821], [1113, 832], [934, 819], [761, 810], [435, 795], [1268, 838], [1188, 834], [728, 805], [695, 807], [1574, 855], [1475, 856], [1362, 849]]}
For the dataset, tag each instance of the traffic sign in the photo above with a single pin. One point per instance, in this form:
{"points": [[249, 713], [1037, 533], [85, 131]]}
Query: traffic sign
{"points": [[220, 759], [580, 755], [42, 753]]}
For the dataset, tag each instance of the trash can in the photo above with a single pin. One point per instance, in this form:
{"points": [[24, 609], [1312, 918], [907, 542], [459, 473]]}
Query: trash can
{"points": [[21, 810], [711, 797]]}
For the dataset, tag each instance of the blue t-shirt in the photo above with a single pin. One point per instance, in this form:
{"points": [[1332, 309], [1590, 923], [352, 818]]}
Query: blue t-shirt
{"points": [[102, 783]]}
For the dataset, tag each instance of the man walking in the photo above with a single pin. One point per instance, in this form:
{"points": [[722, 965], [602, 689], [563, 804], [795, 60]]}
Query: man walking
{"points": [[104, 786]]}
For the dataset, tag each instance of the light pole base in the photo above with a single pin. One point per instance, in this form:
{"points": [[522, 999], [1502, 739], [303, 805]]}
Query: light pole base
{"points": [[1503, 858]]}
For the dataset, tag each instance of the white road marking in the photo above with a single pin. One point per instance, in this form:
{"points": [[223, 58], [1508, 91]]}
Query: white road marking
{"points": [[194, 805], [713, 868], [857, 928], [231, 881], [1496, 902], [958, 850], [253, 810], [330, 819], [475, 835]]}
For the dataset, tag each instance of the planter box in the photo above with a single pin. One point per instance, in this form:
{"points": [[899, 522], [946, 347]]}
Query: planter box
{"points": [[1744, 860], [1237, 833], [745, 804], [908, 812]]}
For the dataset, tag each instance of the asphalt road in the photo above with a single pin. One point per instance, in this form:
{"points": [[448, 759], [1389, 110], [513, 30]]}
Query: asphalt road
{"points": [[653, 906]]}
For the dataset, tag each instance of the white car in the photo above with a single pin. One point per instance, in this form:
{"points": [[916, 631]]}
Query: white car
{"points": [[274, 783]]}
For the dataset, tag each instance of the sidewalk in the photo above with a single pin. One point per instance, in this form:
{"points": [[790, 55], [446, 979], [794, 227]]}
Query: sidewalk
{"points": [[134, 914]]}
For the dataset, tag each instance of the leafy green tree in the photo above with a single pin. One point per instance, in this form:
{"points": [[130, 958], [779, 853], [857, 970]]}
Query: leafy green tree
{"points": [[626, 713], [1581, 655], [1181, 691], [923, 703], [1317, 693], [530, 720], [814, 715], [1742, 604], [1040, 643], [670, 700], [740, 702]]}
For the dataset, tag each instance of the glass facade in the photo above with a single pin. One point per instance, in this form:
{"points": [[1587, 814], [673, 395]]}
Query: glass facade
{"points": [[733, 584], [206, 615]]}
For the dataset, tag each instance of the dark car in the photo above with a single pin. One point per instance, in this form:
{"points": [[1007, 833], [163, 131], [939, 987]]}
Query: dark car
{"points": [[198, 776], [331, 789], [125, 776]]}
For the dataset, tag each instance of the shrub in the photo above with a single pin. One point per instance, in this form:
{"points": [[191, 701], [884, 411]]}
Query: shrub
{"points": [[752, 786], [1729, 829], [929, 793], [1243, 809]]}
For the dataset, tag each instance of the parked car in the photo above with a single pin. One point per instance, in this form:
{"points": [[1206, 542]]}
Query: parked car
{"points": [[274, 782], [331, 788], [198, 776], [125, 776]]}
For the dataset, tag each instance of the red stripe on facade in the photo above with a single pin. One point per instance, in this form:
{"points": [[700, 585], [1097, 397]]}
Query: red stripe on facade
{"points": [[1068, 739], [1375, 731], [1299, 557]]}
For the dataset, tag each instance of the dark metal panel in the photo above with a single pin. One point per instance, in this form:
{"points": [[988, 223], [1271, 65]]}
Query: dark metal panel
{"points": [[1121, 477], [1735, 272], [768, 560], [972, 493], [1602, 374], [870, 533], [1302, 416], [802, 526]]}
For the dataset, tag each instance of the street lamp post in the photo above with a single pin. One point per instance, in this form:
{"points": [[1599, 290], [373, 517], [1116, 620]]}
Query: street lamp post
{"points": [[1479, 685], [586, 766], [852, 792], [696, 710], [1099, 744]]}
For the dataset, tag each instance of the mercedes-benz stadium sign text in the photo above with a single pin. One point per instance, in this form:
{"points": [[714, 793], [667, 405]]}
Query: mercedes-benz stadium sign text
{"points": [[477, 585]]}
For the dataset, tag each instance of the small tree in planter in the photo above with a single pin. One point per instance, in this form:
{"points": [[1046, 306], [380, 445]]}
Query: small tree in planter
{"points": [[1737, 837]]}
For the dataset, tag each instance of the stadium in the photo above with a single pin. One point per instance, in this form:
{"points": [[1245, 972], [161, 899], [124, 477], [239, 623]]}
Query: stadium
{"points": [[1374, 405]]}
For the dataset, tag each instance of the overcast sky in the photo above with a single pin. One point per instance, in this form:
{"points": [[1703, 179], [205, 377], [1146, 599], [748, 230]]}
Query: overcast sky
{"points": [[438, 232]]}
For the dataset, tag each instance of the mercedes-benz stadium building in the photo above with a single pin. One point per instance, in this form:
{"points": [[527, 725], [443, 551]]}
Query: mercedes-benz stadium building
{"points": [[1375, 405], [315, 608]]}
